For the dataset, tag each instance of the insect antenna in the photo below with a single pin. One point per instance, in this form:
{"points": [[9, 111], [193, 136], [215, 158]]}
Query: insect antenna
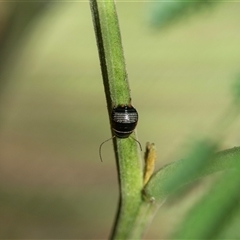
{"points": [[137, 142], [100, 147]]}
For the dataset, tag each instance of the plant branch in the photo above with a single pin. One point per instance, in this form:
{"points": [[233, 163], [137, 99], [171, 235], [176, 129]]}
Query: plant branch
{"points": [[118, 92]]}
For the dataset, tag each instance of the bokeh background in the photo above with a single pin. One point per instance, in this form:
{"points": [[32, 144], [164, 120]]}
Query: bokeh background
{"points": [[54, 117]]}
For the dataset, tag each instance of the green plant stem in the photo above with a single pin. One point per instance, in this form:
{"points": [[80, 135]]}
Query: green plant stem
{"points": [[117, 92], [110, 52]]}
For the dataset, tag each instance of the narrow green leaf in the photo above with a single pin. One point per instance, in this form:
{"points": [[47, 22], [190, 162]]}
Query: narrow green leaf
{"points": [[179, 173]]}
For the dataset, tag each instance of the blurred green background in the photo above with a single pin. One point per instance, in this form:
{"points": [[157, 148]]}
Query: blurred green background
{"points": [[54, 116]]}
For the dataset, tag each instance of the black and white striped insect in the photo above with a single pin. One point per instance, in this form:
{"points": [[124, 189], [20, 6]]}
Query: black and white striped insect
{"points": [[124, 119]]}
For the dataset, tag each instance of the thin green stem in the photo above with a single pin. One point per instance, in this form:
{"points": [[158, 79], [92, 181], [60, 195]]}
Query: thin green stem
{"points": [[118, 92], [110, 52]]}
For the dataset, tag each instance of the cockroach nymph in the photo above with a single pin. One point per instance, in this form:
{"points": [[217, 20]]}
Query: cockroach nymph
{"points": [[124, 119]]}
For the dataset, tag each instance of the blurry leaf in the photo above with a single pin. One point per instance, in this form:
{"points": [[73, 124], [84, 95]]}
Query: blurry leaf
{"points": [[166, 12], [208, 218], [236, 90], [175, 175], [200, 162], [194, 163], [231, 226]]}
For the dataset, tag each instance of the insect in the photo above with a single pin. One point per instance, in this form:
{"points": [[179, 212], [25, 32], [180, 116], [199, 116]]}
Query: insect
{"points": [[124, 119]]}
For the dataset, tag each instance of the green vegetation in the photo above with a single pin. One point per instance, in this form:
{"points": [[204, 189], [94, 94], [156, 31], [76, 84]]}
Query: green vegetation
{"points": [[53, 116]]}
